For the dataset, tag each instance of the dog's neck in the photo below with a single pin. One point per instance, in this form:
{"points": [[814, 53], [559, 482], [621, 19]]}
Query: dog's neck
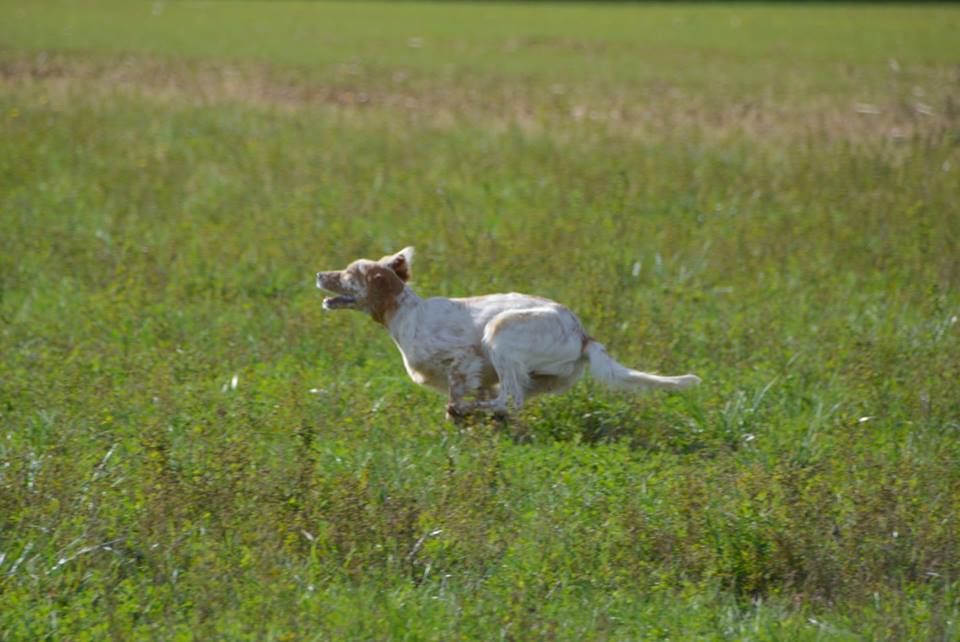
{"points": [[405, 303]]}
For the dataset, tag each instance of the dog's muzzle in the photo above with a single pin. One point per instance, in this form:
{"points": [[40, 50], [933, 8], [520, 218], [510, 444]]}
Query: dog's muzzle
{"points": [[329, 281]]}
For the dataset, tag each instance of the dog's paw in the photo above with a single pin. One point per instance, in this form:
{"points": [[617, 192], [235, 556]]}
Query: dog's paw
{"points": [[456, 412]]}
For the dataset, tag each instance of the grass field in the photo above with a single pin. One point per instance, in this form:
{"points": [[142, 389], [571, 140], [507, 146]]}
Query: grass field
{"points": [[768, 196]]}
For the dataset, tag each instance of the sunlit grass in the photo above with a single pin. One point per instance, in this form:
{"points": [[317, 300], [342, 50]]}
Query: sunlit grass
{"points": [[191, 447]]}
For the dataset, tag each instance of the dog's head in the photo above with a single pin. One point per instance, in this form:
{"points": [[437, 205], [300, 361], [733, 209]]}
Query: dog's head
{"points": [[368, 286]]}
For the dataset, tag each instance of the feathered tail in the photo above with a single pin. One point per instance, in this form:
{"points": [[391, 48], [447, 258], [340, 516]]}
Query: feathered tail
{"points": [[605, 369]]}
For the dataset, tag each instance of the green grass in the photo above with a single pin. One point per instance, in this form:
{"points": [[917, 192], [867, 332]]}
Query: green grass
{"points": [[767, 196]]}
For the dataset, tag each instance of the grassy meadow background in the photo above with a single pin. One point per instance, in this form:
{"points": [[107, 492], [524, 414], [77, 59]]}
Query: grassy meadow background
{"points": [[766, 195]]}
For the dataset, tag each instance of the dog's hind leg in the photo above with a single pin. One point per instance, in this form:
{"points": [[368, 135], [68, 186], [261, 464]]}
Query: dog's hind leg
{"points": [[521, 343], [513, 382]]}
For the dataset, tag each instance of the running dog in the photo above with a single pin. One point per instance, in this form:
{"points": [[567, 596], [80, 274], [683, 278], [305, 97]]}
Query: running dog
{"points": [[487, 353]]}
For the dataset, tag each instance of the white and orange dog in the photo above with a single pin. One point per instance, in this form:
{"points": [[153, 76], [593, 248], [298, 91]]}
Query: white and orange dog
{"points": [[488, 353]]}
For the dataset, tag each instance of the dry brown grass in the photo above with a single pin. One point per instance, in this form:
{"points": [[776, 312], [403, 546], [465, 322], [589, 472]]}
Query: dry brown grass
{"points": [[661, 111]]}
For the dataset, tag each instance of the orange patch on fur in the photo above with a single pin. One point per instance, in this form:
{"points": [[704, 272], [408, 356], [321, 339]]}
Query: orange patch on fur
{"points": [[383, 288], [584, 342]]}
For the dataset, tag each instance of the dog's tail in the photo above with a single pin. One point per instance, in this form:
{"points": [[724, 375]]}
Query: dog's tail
{"points": [[614, 375]]}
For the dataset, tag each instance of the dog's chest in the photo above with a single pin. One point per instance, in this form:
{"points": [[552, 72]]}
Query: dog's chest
{"points": [[430, 364], [435, 338], [427, 373]]}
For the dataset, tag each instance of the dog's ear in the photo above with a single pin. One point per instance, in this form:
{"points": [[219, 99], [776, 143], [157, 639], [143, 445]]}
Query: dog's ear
{"points": [[383, 288], [400, 263]]}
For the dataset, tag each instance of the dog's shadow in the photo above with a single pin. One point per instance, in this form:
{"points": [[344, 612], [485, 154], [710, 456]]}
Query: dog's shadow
{"points": [[516, 428]]}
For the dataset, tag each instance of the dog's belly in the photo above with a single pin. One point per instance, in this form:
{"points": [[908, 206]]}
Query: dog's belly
{"points": [[435, 372]]}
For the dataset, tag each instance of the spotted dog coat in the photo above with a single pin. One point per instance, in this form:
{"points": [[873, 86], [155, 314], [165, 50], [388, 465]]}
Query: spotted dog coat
{"points": [[488, 353]]}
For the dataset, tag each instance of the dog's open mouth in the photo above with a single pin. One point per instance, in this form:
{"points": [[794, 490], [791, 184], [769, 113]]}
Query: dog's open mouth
{"points": [[338, 302], [331, 282]]}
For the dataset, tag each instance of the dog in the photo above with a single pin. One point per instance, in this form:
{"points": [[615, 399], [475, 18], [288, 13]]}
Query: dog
{"points": [[487, 353]]}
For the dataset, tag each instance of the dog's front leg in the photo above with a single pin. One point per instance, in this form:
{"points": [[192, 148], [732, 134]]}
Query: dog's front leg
{"points": [[462, 385], [457, 405]]}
